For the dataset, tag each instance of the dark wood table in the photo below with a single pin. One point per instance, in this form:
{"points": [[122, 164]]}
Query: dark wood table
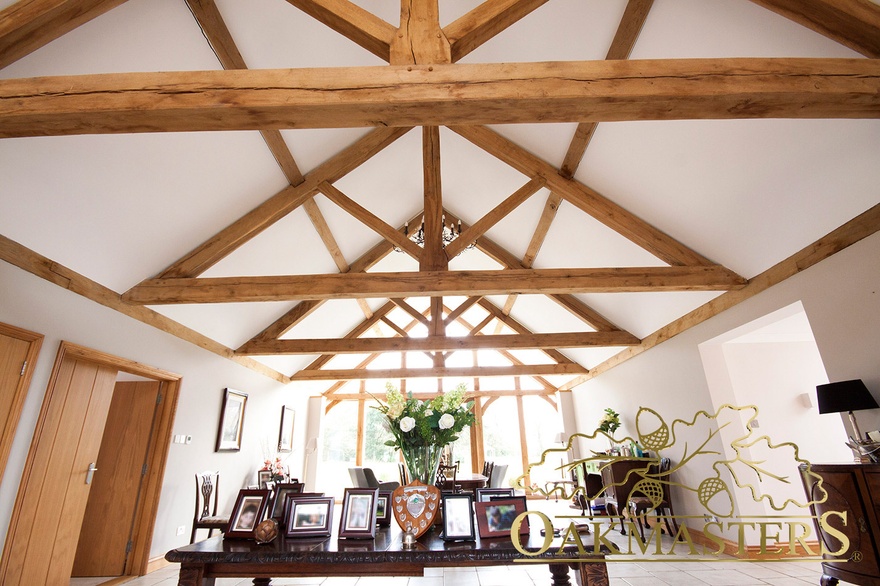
{"points": [[202, 562], [468, 482]]}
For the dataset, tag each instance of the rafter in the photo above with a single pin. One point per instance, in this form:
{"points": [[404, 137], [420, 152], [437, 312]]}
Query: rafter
{"points": [[370, 220], [862, 226], [56, 273], [551, 353], [588, 200], [27, 26], [495, 215], [285, 201], [462, 307], [441, 343], [634, 16], [854, 23], [404, 96], [484, 22], [353, 22], [521, 329]]}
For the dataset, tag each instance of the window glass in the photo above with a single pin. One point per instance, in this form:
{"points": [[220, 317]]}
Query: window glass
{"points": [[339, 448], [501, 437]]}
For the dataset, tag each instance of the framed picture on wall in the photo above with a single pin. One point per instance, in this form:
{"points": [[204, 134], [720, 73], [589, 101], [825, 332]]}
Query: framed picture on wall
{"points": [[231, 421], [285, 435]]}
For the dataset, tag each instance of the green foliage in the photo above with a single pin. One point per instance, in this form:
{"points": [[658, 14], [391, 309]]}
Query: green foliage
{"points": [[434, 422], [610, 421]]}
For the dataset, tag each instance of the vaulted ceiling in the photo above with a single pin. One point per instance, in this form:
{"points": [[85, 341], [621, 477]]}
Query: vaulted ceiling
{"points": [[247, 175]]}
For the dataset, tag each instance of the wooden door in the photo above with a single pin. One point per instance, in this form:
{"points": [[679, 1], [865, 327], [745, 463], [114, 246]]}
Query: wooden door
{"points": [[42, 537], [18, 355], [122, 465]]}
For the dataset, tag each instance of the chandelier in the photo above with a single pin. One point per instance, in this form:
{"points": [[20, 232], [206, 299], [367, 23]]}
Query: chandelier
{"points": [[449, 233]]}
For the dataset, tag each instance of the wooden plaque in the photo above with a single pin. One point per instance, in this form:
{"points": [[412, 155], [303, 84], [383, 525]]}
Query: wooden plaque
{"points": [[415, 506]]}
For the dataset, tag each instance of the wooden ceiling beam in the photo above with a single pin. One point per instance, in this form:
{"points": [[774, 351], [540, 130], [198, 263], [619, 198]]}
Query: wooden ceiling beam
{"points": [[370, 220], [442, 372], [433, 284], [495, 215], [484, 22], [853, 23], [57, 274], [213, 26], [864, 225], [462, 307], [440, 343], [282, 203], [587, 200], [415, 313], [419, 38], [353, 22], [514, 359], [25, 26], [459, 94], [634, 16], [423, 396], [353, 333], [583, 312], [300, 311], [521, 329]]}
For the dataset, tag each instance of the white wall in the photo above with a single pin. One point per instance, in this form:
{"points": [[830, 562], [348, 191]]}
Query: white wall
{"points": [[29, 302], [840, 297]]}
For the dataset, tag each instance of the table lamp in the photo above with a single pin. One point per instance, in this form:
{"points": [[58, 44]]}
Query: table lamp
{"points": [[848, 395]]}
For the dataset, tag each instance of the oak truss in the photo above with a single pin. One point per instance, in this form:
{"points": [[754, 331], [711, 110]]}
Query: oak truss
{"points": [[424, 86]]}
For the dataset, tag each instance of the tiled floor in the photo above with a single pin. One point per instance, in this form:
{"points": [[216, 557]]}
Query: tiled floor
{"points": [[639, 573]]}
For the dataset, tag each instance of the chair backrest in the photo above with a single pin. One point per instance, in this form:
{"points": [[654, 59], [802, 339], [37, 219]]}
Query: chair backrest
{"points": [[446, 474], [498, 474], [370, 478], [207, 487], [358, 478]]}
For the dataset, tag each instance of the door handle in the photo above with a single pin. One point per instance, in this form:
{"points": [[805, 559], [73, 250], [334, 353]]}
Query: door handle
{"points": [[90, 473]]}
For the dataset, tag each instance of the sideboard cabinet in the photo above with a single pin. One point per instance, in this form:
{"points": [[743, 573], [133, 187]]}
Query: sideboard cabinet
{"points": [[854, 488]]}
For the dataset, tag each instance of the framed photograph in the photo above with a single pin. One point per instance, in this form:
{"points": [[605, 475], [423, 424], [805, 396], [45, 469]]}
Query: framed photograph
{"points": [[495, 517], [383, 508], [285, 435], [231, 421], [486, 494], [359, 513], [264, 477], [458, 518], [250, 506], [308, 516], [279, 498]]}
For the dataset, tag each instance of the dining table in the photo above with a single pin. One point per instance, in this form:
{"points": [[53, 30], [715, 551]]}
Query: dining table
{"points": [[467, 482]]}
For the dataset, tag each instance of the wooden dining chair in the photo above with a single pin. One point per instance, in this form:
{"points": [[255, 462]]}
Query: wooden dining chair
{"points": [[446, 474], [205, 517], [660, 503]]}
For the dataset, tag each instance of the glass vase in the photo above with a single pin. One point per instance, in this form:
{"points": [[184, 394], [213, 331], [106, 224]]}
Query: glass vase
{"points": [[422, 462]]}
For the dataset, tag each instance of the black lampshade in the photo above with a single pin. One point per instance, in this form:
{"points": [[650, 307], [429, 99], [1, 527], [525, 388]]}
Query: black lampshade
{"points": [[848, 395]]}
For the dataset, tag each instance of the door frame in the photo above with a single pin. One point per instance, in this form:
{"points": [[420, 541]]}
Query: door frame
{"points": [[35, 341], [145, 515]]}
